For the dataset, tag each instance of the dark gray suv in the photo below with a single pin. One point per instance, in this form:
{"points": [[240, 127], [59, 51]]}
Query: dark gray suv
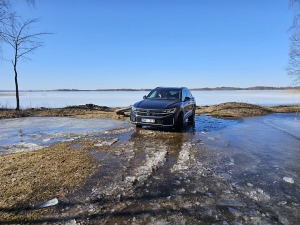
{"points": [[166, 107]]}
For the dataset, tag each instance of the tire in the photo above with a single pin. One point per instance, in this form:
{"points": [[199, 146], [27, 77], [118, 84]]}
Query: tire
{"points": [[192, 117], [179, 122]]}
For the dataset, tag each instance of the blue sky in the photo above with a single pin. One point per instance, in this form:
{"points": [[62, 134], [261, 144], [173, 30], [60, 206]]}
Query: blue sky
{"points": [[148, 43]]}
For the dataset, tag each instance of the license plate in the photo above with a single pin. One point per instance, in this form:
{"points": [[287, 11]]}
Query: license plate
{"points": [[148, 120]]}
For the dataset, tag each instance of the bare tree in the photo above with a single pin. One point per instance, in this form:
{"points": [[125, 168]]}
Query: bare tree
{"points": [[5, 15], [293, 66], [18, 34]]}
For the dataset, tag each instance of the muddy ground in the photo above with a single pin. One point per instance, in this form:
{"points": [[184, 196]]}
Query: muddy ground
{"points": [[140, 176]]}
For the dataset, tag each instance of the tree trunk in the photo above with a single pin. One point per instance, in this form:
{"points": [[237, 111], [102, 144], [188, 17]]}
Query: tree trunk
{"points": [[17, 87]]}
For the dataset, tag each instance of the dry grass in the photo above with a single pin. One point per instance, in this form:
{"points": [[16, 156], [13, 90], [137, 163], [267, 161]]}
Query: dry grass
{"points": [[62, 112], [237, 110], [224, 110], [29, 179]]}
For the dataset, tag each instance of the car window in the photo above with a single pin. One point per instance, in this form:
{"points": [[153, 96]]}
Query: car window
{"points": [[189, 94], [169, 94], [183, 94], [152, 94]]}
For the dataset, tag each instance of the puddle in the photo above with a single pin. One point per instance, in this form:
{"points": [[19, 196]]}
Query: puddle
{"points": [[32, 133], [204, 123]]}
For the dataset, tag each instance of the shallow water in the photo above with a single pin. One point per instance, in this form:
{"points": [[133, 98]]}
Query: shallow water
{"points": [[260, 157], [239, 171], [31, 133]]}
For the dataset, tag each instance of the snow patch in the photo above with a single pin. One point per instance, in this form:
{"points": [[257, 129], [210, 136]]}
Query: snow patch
{"points": [[183, 158], [152, 163], [288, 180], [20, 147], [49, 203]]}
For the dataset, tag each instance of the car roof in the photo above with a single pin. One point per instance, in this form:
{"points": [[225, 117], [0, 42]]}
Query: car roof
{"points": [[173, 88]]}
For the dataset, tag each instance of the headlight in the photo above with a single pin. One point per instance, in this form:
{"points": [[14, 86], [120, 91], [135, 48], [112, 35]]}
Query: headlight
{"points": [[133, 108], [173, 110]]}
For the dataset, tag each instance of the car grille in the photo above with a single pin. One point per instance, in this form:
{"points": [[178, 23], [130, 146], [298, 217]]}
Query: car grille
{"points": [[151, 112]]}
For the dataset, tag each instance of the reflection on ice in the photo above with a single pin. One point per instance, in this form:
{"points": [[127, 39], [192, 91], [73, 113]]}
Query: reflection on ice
{"points": [[204, 123], [32, 133], [260, 157], [287, 123]]}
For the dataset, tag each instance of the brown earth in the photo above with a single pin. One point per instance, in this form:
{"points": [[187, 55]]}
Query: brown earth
{"points": [[235, 110], [232, 110]]}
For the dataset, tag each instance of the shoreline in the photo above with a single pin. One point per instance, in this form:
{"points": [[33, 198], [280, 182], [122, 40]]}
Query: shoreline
{"points": [[256, 88], [228, 110]]}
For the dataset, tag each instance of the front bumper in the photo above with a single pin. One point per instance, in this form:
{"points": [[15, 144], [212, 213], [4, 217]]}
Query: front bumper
{"points": [[163, 121]]}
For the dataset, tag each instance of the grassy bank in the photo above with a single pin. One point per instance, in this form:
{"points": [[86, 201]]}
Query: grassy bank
{"points": [[226, 110], [236, 110], [29, 179]]}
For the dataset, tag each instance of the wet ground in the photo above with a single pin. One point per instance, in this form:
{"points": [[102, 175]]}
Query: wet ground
{"points": [[214, 172]]}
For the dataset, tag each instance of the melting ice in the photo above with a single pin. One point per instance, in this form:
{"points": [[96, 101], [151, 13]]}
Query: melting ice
{"points": [[32, 133]]}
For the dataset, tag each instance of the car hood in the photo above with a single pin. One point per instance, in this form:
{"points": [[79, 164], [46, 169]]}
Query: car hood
{"points": [[157, 104]]}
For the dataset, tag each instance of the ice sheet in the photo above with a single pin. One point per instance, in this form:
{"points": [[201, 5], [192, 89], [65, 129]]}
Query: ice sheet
{"points": [[32, 133]]}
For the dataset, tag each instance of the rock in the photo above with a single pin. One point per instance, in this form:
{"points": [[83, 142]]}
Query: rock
{"points": [[288, 180], [107, 143], [49, 203], [123, 111]]}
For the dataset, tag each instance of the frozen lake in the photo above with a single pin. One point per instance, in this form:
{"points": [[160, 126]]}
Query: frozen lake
{"points": [[58, 99], [32, 133]]}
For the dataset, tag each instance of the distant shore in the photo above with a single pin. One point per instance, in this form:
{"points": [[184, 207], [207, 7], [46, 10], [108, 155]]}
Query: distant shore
{"points": [[297, 88]]}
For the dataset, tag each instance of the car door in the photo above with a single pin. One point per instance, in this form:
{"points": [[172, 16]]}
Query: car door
{"points": [[185, 104], [192, 104]]}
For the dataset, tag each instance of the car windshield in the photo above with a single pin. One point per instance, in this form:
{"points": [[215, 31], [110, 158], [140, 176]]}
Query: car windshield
{"points": [[169, 94]]}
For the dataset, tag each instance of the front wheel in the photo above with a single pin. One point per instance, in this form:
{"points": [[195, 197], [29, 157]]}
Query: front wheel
{"points": [[179, 122], [192, 117]]}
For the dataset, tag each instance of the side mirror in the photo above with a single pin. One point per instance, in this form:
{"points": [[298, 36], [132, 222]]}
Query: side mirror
{"points": [[187, 99], [144, 97]]}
